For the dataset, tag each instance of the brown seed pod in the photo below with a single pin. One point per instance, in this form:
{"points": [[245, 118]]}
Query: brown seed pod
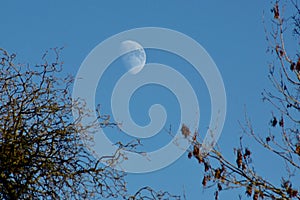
{"points": [[276, 11], [255, 196], [196, 150], [244, 167], [239, 158], [281, 122], [185, 131], [204, 181], [298, 149], [199, 158], [249, 190], [298, 65], [206, 166], [218, 173], [261, 194], [247, 153]]}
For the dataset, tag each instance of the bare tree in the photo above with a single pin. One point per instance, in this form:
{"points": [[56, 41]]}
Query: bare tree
{"points": [[283, 138], [42, 155]]}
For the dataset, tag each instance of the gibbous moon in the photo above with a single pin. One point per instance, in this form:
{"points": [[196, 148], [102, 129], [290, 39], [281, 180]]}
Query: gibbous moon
{"points": [[134, 57]]}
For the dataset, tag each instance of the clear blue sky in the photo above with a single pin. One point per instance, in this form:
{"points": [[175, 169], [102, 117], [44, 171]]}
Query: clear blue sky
{"points": [[231, 31]]}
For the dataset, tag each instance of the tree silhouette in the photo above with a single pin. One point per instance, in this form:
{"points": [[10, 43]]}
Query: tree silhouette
{"points": [[42, 155], [283, 139]]}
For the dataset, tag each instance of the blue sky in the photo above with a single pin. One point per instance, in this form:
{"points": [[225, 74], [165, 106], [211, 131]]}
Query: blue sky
{"points": [[231, 32]]}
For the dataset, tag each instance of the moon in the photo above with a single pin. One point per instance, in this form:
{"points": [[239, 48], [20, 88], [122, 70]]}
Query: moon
{"points": [[134, 57]]}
